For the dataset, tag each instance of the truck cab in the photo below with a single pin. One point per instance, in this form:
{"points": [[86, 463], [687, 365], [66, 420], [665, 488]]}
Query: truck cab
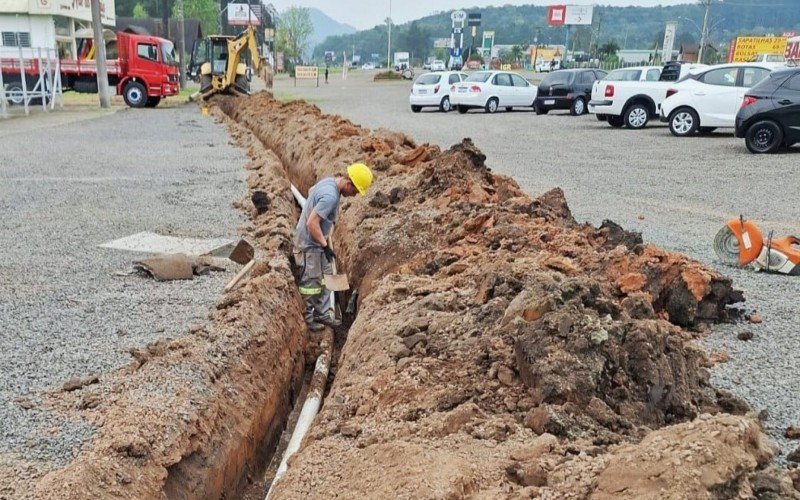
{"points": [[149, 69]]}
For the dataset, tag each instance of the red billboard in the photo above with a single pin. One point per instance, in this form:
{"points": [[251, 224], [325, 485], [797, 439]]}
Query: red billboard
{"points": [[556, 14]]}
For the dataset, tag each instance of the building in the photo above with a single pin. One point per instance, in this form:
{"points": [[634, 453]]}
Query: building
{"points": [[48, 25]]}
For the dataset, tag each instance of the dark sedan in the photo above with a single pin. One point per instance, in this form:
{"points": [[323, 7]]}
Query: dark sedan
{"points": [[567, 89], [770, 114]]}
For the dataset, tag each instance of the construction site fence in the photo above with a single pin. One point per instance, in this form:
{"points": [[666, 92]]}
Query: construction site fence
{"points": [[30, 79]]}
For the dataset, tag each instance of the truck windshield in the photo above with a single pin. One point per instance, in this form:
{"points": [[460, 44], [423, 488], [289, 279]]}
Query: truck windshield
{"points": [[168, 53]]}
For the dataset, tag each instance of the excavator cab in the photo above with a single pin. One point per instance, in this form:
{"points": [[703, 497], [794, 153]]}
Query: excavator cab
{"points": [[225, 63]]}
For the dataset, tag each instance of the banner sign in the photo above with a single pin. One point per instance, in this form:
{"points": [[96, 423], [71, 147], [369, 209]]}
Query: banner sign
{"points": [[569, 15], [306, 72], [242, 14], [747, 47], [669, 41]]}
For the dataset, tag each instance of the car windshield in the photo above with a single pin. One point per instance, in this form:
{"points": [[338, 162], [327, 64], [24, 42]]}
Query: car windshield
{"points": [[624, 75], [480, 76], [168, 53], [557, 78], [429, 79]]}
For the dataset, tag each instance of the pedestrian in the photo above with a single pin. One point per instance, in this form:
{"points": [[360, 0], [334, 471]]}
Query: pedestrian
{"points": [[552, 64], [313, 255], [326, 73]]}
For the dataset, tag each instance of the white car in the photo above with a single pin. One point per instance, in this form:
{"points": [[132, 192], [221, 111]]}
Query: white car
{"points": [[704, 101], [433, 90], [492, 90], [438, 65], [368, 66]]}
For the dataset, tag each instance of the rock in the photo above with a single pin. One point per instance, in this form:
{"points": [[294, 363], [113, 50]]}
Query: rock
{"points": [[543, 419], [379, 200], [350, 430], [260, 201], [134, 446], [746, 335], [755, 318], [794, 456], [398, 351], [397, 194], [541, 445], [792, 432], [638, 306], [415, 339], [763, 483], [459, 417], [731, 403], [505, 375], [76, 383]]}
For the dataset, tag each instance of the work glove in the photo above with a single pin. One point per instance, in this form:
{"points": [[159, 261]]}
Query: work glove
{"points": [[329, 255]]}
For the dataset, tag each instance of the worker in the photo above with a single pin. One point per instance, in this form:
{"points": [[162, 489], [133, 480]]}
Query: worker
{"points": [[326, 73], [313, 254]]}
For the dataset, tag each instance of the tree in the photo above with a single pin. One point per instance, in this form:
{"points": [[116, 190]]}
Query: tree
{"points": [[293, 33], [140, 12], [517, 52], [609, 49], [205, 11]]}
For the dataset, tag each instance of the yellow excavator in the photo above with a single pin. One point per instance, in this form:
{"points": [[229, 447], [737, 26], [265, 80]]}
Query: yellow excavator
{"points": [[226, 64]]}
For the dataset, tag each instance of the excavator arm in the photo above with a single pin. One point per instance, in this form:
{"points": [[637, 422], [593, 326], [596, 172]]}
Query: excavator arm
{"points": [[236, 49], [234, 78]]}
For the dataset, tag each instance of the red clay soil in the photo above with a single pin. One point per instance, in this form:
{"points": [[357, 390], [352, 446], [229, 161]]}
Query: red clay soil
{"points": [[194, 417], [501, 349]]}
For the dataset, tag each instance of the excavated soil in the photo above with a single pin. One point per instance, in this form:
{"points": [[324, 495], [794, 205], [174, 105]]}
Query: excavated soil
{"points": [[501, 349]]}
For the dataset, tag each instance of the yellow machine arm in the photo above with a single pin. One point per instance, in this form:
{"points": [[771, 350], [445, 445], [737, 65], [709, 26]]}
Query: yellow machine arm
{"points": [[236, 47]]}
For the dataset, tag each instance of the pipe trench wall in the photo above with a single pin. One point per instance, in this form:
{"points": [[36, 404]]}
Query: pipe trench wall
{"points": [[193, 417], [488, 318]]}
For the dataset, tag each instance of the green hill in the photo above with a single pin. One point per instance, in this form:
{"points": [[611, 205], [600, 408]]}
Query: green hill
{"points": [[630, 27]]}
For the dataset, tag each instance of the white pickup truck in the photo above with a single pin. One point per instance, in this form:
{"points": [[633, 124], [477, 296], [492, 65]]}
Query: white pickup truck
{"points": [[630, 97]]}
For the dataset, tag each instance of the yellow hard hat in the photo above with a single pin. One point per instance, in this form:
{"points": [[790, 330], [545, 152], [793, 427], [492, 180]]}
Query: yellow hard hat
{"points": [[361, 177]]}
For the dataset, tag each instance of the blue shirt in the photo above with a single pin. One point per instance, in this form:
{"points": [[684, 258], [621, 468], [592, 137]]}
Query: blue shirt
{"points": [[324, 199]]}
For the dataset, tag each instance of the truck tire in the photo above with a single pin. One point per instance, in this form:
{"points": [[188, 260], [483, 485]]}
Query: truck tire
{"points": [[152, 102], [16, 98], [135, 95], [637, 115]]}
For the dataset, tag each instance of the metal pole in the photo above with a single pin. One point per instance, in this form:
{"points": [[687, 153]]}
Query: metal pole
{"points": [[41, 82], [100, 56], [181, 42], [389, 50], [704, 34], [23, 78], [3, 102]]}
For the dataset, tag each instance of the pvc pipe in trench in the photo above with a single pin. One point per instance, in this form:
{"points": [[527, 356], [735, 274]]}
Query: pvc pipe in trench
{"points": [[310, 407]]}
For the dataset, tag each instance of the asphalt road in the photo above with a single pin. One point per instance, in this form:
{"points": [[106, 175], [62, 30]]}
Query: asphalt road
{"points": [[676, 192]]}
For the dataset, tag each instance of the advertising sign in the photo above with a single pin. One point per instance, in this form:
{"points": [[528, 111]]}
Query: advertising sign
{"points": [[474, 19], [441, 43], [488, 41], [556, 15], [458, 16], [669, 40], [793, 49], [749, 46], [306, 72], [578, 15], [241, 14]]}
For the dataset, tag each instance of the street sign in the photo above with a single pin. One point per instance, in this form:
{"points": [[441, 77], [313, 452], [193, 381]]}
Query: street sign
{"points": [[561, 15], [556, 15], [474, 19], [306, 72], [458, 16]]}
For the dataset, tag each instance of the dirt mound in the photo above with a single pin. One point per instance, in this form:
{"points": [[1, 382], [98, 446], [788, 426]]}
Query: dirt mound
{"points": [[486, 318]]}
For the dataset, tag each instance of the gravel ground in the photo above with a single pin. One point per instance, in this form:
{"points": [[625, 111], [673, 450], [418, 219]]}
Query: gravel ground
{"points": [[67, 184], [677, 192]]}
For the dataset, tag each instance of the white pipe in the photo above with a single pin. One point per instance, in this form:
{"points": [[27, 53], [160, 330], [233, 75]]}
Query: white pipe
{"points": [[310, 408]]}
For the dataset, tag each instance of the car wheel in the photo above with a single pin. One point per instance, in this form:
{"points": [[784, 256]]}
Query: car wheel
{"points": [[637, 116], [578, 107], [762, 137], [540, 110], [416, 109], [491, 105], [601, 118], [462, 109], [707, 130], [445, 106], [684, 122], [135, 95], [615, 121]]}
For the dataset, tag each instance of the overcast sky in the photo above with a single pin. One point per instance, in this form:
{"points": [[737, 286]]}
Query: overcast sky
{"points": [[365, 14]]}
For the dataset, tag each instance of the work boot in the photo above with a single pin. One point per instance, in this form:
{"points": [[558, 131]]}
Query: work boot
{"points": [[315, 327], [327, 320]]}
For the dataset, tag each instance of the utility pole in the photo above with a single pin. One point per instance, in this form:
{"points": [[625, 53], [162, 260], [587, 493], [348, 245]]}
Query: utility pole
{"points": [[389, 50], [704, 34], [181, 42], [100, 56]]}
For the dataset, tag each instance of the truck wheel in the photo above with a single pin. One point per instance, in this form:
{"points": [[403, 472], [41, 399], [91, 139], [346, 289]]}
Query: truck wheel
{"points": [[135, 95], [152, 102], [684, 122], [615, 121], [637, 116], [15, 89]]}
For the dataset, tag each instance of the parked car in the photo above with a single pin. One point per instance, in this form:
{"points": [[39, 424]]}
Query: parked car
{"points": [[548, 66], [492, 90], [438, 65], [633, 96], [774, 61], [705, 101], [368, 66], [433, 90], [770, 114], [567, 89]]}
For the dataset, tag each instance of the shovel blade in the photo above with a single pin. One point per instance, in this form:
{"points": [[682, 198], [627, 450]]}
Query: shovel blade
{"points": [[337, 282]]}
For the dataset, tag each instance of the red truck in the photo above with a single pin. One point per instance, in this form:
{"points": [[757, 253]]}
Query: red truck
{"points": [[144, 71]]}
